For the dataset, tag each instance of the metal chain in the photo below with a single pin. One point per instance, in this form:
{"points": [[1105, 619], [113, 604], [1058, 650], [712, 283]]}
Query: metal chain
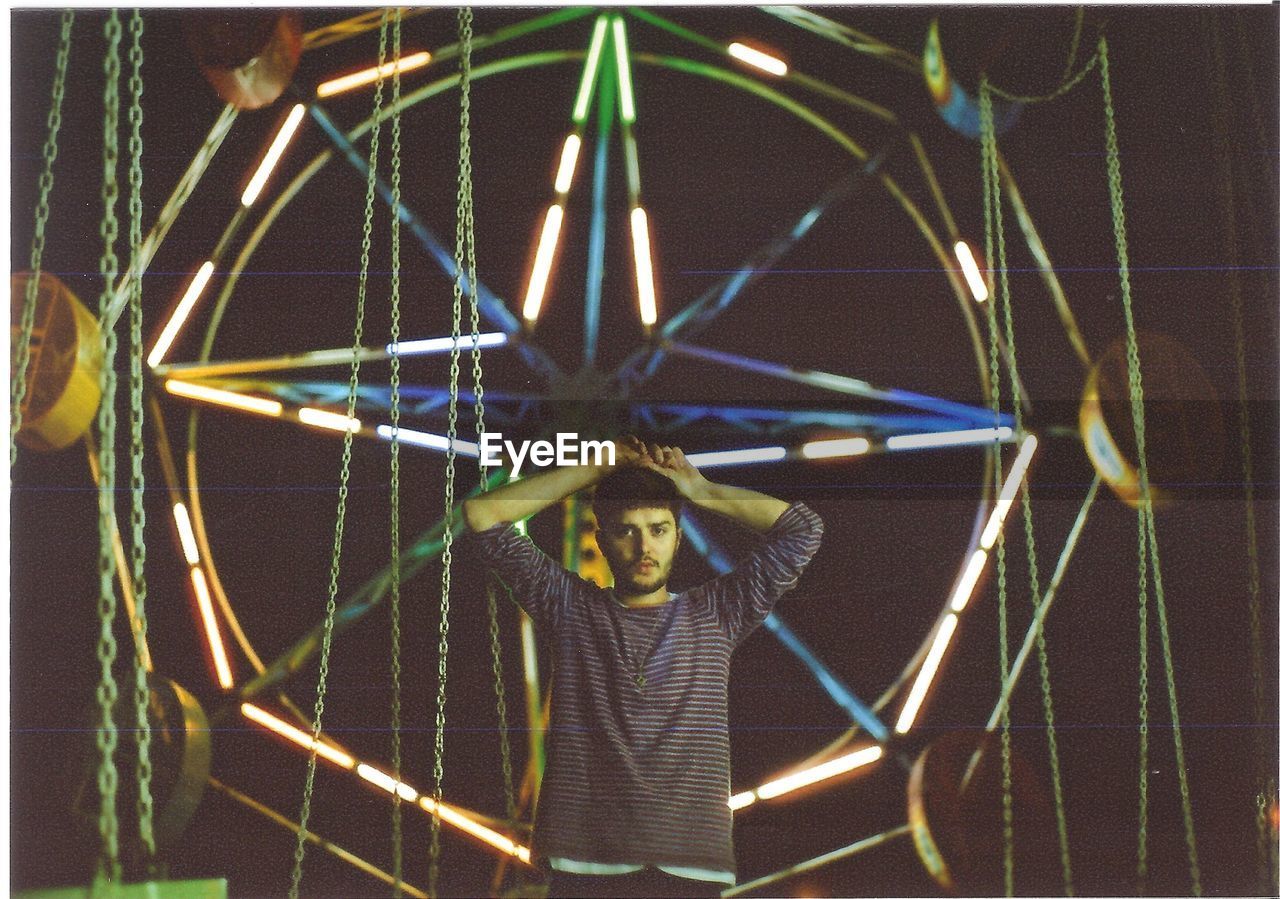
{"points": [[1068, 80], [446, 556], [138, 517], [18, 387], [990, 208], [1146, 516], [397, 834], [108, 265], [1033, 566], [495, 635], [353, 384], [1226, 189]]}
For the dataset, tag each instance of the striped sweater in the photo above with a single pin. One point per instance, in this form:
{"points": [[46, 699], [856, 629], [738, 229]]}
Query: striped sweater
{"points": [[643, 777]]}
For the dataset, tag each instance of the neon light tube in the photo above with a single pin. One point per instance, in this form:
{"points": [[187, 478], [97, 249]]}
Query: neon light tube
{"points": [[462, 822], [626, 97], [972, 274], [431, 441], [742, 800], [964, 589], [368, 76], [948, 438], [331, 420], [185, 534], [756, 59], [589, 72], [387, 782], [737, 457], [927, 671], [223, 397], [820, 772], [830, 449], [1008, 492], [211, 629], [644, 266], [180, 314], [568, 162], [542, 262], [445, 344], [633, 164], [274, 152], [289, 732]]}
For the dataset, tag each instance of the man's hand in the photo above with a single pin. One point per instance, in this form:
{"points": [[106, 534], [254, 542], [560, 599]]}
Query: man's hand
{"points": [[629, 450], [669, 461]]}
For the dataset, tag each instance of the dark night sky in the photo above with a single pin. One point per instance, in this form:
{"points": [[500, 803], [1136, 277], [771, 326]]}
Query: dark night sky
{"points": [[862, 296]]}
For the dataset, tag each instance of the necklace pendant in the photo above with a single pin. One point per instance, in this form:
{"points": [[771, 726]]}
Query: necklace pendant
{"points": [[639, 678]]}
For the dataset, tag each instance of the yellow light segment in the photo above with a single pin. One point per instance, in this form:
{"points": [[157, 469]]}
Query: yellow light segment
{"points": [[1008, 492], [964, 589], [644, 266], [180, 314], [927, 671], [830, 449], [211, 629], [223, 397], [462, 822], [756, 59], [368, 76], [568, 161], [589, 71], [742, 800], [331, 420], [387, 782], [820, 772], [626, 97], [185, 534], [289, 732], [274, 152], [969, 265], [542, 262]]}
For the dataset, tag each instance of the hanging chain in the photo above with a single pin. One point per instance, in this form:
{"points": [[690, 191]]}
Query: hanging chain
{"points": [[1033, 566], [397, 835], [354, 383], [495, 635], [138, 518], [108, 265], [1068, 81], [18, 387], [1146, 515], [991, 208], [446, 557], [1226, 189]]}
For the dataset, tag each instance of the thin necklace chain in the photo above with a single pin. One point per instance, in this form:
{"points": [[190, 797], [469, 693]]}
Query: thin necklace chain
{"points": [[637, 674]]}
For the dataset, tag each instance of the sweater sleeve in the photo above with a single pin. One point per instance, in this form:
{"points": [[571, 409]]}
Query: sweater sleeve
{"points": [[538, 584], [745, 596]]}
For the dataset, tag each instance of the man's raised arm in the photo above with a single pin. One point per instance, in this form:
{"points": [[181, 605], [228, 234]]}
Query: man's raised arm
{"points": [[749, 508], [516, 500]]}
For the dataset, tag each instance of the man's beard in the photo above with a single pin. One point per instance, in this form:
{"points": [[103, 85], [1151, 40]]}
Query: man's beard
{"points": [[631, 586]]}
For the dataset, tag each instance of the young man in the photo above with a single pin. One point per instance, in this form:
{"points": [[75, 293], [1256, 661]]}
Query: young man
{"points": [[634, 801]]}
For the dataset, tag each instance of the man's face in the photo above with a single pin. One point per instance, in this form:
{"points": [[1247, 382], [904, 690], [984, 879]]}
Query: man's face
{"points": [[640, 546]]}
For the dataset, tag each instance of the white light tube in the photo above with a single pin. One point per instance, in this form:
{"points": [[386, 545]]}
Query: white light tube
{"points": [[755, 58], [542, 262], [180, 314], [830, 449], [927, 671], [185, 534], [969, 265], [948, 438], [387, 782], [289, 732], [568, 162], [1008, 492], [964, 589], [330, 420], [445, 344], [431, 441], [644, 266], [626, 97], [589, 70], [274, 152], [737, 457], [820, 772], [370, 75], [220, 663], [223, 397]]}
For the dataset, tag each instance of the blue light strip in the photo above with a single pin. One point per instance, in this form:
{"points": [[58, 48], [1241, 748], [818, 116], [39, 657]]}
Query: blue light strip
{"points": [[596, 244], [841, 694]]}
